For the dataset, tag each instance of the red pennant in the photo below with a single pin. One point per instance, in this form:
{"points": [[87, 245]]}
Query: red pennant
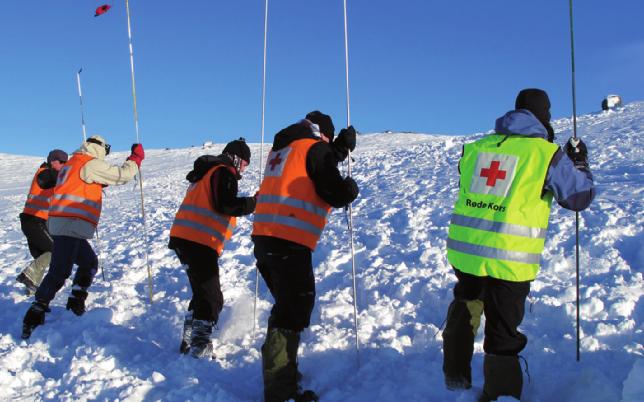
{"points": [[102, 10]]}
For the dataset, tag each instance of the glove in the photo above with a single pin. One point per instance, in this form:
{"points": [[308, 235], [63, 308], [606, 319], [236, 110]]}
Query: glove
{"points": [[577, 152], [138, 154], [346, 139], [251, 204], [352, 188]]}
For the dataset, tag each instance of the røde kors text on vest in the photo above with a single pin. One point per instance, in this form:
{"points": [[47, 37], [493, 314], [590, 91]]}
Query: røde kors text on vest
{"points": [[488, 205]]}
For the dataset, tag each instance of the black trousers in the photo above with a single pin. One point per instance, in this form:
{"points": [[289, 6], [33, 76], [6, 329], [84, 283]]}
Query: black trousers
{"points": [[38, 238], [502, 302], [68, 251], [288, 273], [504, 308], [203, 273]]}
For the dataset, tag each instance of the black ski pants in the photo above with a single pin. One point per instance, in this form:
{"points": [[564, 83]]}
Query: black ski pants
{"points": [[288, 273], [502, 302], [68, 251], [203, 273], [503, 306], [38, 238]]}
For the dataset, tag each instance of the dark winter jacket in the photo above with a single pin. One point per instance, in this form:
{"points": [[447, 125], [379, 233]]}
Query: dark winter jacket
{"points": [[321, 166], [224, 193], [572, 187]]}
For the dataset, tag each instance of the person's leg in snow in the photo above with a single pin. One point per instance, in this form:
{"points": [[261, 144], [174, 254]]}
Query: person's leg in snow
{"points": [[207, 299], [87, 267], [40, 245], [463, 320], [289, 277], [504, 311], [66, 252]]}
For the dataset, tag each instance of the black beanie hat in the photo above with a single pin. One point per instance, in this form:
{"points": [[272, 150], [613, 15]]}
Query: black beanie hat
{"points": [[57, 155], [536, 101], [239, 148], [324, 122]]}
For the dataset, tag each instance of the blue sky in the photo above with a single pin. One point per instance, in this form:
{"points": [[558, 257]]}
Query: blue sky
{"points": [[416, 65]]}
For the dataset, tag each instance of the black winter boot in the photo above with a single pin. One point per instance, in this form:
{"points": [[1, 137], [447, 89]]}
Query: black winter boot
{"points": [[76, 301], [307, 396], [503, 377], [35, 316], [463, 320], [200, 344], [186, 335]]}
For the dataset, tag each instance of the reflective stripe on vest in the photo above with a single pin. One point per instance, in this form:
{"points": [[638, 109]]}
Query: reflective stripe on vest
{"points": [[293, 202], [499, 227], [73, 197], [196, 219], [500, 219], [37, 203], [288, 206], [491, 252]]}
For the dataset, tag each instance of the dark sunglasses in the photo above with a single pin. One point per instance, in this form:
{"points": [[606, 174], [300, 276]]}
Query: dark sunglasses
{"points": [[106, 146]]}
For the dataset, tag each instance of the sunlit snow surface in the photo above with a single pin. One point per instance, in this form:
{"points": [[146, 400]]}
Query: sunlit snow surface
{"points": [[123, 348]]}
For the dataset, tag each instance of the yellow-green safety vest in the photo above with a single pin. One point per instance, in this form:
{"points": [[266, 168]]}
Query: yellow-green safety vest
{"points": [[500, 219]]}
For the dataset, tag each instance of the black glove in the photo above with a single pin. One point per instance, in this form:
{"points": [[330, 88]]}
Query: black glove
{"points": [[352, 188], [47, 178], [577, 152], [251, 203], [346, 139]]}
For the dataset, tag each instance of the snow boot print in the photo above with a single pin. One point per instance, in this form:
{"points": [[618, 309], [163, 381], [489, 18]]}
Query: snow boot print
{"points": [[200, 344]]}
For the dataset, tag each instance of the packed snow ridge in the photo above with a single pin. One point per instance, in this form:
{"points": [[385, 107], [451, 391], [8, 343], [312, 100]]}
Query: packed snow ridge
{"points": [[125, 348]]}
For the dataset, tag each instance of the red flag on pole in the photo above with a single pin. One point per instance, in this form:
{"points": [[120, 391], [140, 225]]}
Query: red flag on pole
{"points": [[102, 10]]}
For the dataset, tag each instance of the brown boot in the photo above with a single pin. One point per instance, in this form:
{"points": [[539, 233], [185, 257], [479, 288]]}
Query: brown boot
{"points": [[503, 377]]}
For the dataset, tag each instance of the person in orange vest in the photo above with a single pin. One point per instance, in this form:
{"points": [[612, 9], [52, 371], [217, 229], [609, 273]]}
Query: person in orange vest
{"points": [[33, 220], [205, 220], [301, 184], [74, 212]]}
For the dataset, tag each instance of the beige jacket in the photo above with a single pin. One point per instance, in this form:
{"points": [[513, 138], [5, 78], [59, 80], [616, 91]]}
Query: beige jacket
{"points": [[95, 171]]}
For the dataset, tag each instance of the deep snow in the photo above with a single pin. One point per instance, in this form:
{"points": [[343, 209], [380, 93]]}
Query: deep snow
{"points": [[123, 348]]}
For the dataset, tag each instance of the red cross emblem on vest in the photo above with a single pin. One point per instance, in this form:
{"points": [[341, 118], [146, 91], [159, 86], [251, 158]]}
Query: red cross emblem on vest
{"points": [[493, 173], [275, 161]]}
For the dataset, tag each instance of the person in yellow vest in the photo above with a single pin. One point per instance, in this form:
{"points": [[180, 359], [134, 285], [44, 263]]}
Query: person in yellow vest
{"points": [[497, 233], [203, 223], [33, 220], [74, 212], [301, 184]]}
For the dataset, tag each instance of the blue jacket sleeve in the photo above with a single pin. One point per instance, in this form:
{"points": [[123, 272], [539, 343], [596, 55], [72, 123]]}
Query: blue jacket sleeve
{"points": [[573, 188]]}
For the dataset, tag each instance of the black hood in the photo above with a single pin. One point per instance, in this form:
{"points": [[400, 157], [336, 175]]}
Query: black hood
{"points": [[291, 133]]}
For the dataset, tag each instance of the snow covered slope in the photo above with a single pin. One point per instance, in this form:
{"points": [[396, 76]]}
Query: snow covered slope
{"points": [[124, 348]]}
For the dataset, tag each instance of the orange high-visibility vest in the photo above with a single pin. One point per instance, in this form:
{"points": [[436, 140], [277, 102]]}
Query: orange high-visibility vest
{"points": [[74, 198], [287, 205], [197, 221], [37, 203]]}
